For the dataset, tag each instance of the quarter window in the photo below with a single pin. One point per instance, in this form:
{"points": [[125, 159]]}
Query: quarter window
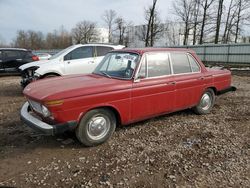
{"points": [[103, 50], [180, 63], [80, 53], [194, 66]]}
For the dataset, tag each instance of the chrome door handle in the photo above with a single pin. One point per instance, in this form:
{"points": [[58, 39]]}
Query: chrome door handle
{"points": [[172, 83]]}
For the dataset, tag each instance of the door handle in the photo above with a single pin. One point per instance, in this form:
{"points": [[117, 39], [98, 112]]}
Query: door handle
{"points": [[19, 59], [201, 78], [68, 62], [91, 62], [172, 83]]}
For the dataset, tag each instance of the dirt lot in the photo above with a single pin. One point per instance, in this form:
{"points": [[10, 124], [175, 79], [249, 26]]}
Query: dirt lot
{"points": [[180, 149]]}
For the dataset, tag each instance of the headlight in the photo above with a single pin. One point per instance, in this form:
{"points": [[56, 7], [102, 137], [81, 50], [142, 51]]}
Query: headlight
{"points": [[45, 111], [36, 75]]}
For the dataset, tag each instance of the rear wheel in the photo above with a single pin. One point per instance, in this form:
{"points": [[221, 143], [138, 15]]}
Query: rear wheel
{"points": [[206, 102], [96, 127]]}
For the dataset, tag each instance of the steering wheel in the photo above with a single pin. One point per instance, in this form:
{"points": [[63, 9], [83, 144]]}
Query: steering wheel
{"points": [[128, 72]]}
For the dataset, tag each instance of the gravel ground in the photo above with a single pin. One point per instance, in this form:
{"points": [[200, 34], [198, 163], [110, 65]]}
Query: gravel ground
{"points": [[176, 150]]}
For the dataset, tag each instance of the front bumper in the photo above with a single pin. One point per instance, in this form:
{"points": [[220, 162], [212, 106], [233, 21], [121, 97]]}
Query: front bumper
{"points": [[43, 127]]}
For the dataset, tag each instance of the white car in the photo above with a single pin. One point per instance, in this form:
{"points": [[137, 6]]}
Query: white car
{"points": [[76, 59]]}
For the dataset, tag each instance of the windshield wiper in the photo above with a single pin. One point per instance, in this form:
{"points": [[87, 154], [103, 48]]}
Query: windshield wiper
{"points": [[106, 74]]}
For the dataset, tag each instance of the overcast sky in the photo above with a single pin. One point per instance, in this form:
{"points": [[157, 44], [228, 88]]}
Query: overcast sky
{"points": [[47, 15]]}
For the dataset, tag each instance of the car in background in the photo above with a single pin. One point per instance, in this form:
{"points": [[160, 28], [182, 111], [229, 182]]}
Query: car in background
{"points": [[42, 55], [76, 59], [128, 86], [12, 58]]}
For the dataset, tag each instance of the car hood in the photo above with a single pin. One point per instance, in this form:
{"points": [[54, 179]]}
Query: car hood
{"points": [[73, 86], [35, 64]]}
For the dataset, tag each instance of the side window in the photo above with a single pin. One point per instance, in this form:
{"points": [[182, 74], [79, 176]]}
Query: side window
{"points": [[158, 64], [142, 72], [180, 63], [194, 65], [11, 54], [1, 57], [102, 50], [80, 53]]}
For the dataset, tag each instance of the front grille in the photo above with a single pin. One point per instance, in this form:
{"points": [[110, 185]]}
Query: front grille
{"points": [[35, 106]]}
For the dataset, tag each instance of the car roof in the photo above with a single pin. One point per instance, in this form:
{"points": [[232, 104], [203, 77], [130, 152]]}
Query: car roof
{"points": [[98, 44], [22, 49], [145, 50]]}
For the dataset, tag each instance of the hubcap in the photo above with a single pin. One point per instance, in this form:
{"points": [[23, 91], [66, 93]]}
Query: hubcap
{"points": [[206, 101], [98, 127]]}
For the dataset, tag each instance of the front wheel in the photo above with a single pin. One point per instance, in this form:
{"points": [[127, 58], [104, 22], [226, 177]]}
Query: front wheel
{"points": [[96, 127], [206, 102]]}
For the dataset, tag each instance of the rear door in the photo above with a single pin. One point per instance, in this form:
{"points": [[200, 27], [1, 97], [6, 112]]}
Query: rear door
{"points": [[188, 79], [154, 93], [11, 60], [79, 60]]}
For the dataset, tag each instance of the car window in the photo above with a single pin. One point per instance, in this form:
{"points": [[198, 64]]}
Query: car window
{"points": [[1, 55], [103, 50], [12, 54], [143, 71], [118, 65], [158, 64], [194, 65], [180, 63], [80, 53]]}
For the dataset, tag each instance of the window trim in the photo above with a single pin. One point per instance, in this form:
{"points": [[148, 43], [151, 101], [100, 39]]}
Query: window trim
{"points": [[188, 62], [93, 49], [136, 79], [144, 57], [189, 54]]}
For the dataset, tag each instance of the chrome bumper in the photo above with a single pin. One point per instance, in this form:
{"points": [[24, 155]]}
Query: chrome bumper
{"points": [[41, 126]]}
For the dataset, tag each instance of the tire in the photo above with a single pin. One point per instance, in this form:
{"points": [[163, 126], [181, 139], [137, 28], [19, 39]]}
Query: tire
{"points": [[206, 102], [96, 127]]}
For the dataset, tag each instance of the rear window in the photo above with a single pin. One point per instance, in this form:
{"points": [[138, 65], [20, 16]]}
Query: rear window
{"points": [[103, 50], [180, 63]]}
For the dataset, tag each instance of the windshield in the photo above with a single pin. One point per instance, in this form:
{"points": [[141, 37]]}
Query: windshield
{"points": [[118, 65], [61, 52]]}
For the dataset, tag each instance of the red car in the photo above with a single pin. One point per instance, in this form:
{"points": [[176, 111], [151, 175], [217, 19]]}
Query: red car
{"points": [[129, 85]]}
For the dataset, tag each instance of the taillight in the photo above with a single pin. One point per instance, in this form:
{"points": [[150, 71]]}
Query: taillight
{"points": [[35, 58]]}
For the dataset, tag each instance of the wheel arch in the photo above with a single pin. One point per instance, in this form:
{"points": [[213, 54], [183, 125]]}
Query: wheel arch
{"points": [[50, 73], [108, 107]]}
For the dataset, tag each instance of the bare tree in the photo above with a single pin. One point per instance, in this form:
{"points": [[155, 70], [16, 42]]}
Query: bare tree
{"points": [[84, 32], [121, 27], [218, 21], [154, 27], [184, 10], [109, 17], [196, 17], [231, 14], [172, 33], [205, 4], [243, 14], [58, 39]]}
